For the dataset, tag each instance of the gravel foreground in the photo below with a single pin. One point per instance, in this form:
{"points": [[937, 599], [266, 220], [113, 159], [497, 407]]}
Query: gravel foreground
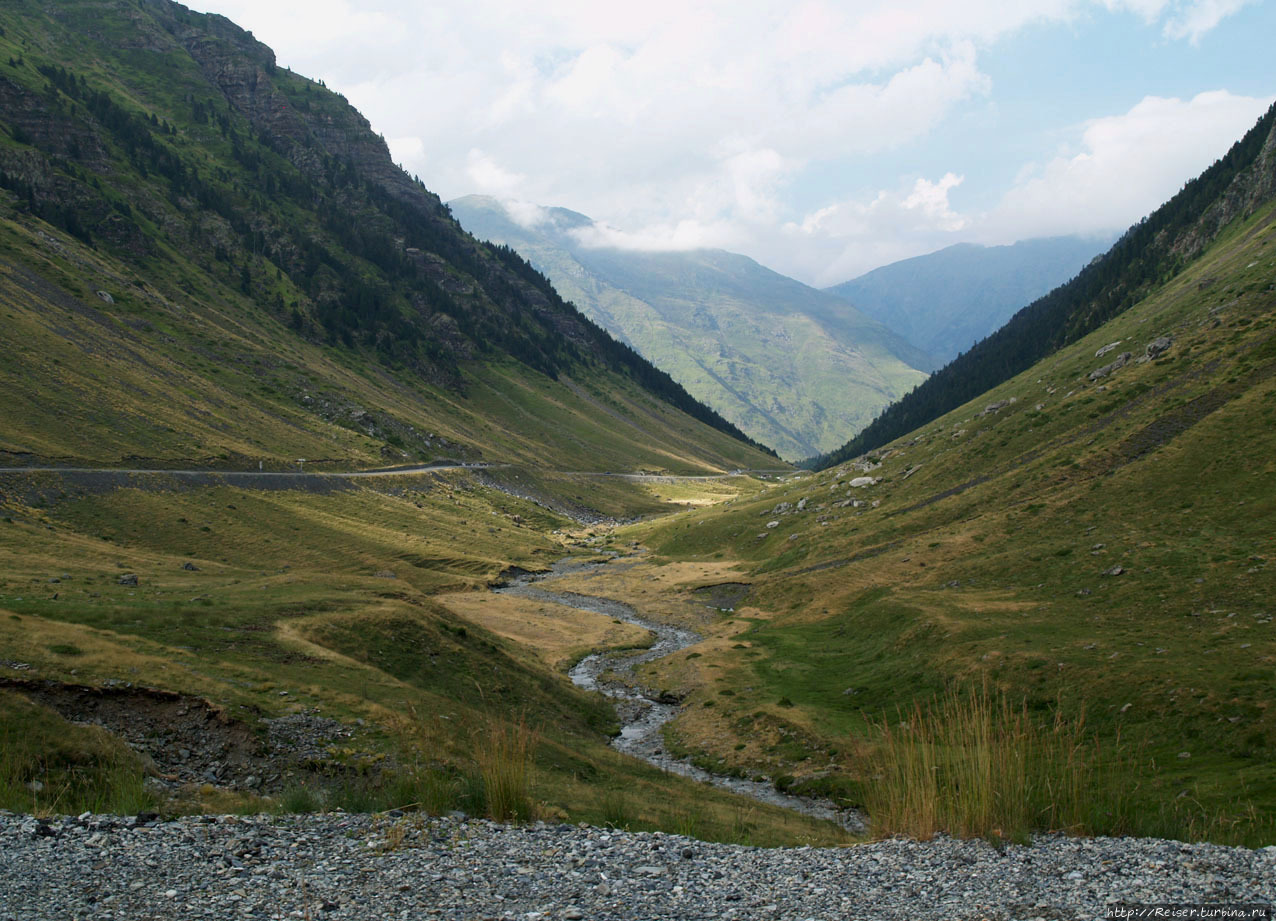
{"points": [[387, 867]]}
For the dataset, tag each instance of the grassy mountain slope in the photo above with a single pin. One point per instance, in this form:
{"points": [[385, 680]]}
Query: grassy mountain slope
{"points": [[793, 367], [946, 301], [208, 258], [1097, 544], [1146, 256]]}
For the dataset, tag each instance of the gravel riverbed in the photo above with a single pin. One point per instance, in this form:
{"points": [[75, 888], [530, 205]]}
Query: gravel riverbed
{"points": [[407, 867]]}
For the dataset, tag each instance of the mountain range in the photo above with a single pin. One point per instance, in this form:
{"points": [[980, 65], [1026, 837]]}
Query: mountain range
{"points": [[797, 369], [946, 301]]}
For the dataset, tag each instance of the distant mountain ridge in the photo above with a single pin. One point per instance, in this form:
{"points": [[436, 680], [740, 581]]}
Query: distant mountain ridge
{"points": [[795, 368], [944, 302]]}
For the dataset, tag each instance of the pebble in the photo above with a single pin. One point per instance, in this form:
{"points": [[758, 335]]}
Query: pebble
{"points": [[341, 866]]}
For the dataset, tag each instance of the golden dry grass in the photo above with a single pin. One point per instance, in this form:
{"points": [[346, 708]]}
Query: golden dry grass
{"points": [[556, 634]]}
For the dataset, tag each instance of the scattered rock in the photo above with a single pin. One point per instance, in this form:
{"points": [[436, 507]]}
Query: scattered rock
{"points": [[129, 578], [773, 524], [1121, 361], [861, 481], [293, 866], [1107, 348], [998, 406], [106, 297], [1114, 571], [190, 567], [1158, 347]]}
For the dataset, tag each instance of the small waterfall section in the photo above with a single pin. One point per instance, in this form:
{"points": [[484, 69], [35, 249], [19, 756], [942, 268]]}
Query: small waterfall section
{"points": [[643, 713]]}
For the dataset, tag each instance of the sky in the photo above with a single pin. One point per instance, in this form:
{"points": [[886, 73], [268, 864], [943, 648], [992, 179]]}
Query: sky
{"points": [[823, 139]]}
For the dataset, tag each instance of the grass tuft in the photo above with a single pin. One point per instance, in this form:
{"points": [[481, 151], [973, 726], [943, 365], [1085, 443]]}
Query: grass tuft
{"points": [[974, 764], [503, 751]]}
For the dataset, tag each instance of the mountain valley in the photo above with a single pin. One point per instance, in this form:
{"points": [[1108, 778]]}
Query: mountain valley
{"points": [[283, 446]]}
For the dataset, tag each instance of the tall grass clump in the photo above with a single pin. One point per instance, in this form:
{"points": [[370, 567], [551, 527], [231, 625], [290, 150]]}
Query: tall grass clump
{"points": [[973, 764], [82, 770], [504, 751]]}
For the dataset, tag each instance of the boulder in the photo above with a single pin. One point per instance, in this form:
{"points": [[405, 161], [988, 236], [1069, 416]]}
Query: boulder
{"points": [[861, 481], [1158, 347], [129, 578], [998, 406], [1107, 369]]}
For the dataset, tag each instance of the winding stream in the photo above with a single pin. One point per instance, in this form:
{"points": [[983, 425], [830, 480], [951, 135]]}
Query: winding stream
{"points": [[642, 712]]}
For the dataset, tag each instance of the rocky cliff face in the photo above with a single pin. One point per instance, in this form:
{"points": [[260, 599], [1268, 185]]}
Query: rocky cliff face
{"points": [[1253, 185]]}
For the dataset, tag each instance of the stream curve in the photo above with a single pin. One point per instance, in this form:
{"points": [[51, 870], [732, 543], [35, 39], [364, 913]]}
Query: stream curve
{"points": [[643, 712]]}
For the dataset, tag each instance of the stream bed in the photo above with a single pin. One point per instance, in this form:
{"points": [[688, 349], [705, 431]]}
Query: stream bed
{"points": [[643, 712]]}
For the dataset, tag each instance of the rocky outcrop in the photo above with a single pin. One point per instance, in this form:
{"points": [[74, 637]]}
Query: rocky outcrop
{"points": [[1252, 187]]}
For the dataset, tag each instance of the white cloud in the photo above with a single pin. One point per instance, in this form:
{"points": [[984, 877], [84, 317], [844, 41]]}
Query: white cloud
{"points": [[1193, 20], [697, 122], [406, 150], [1124, 166], [842, 240], [1181, 19], [685, 235], [525, 214], [490, 177], [931, 199]]}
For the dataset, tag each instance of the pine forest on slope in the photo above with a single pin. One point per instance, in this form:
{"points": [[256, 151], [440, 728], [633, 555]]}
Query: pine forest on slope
{"points": [[795, 368]]}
